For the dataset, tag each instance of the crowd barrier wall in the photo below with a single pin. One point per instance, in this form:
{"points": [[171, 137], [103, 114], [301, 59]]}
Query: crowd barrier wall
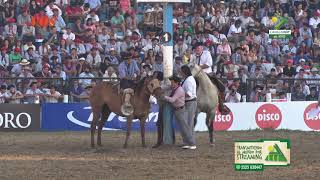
{"points": [[78, 117]]}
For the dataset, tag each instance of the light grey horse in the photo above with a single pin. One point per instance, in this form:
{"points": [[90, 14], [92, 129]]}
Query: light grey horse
{"points": [[207, 97]]}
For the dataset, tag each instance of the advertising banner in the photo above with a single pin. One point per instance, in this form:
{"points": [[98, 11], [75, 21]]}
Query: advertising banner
{"points": [[78, 116], [19, 117]]}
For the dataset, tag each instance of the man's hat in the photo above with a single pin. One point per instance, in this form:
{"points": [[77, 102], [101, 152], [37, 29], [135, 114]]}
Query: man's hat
{"points": [[197, 45], [24, 62], [126, 56], [175, 78]]}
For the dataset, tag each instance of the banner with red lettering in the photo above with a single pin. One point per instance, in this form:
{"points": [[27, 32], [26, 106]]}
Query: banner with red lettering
{"points": [[266, 115]]}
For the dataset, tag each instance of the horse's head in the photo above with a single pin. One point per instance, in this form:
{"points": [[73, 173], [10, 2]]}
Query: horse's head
{"points": [[152, 86], [195, 69]]}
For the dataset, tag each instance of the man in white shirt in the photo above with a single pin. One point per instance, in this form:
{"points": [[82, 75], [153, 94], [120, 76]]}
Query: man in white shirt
{"points": [[69, 36], [315, 20], [32, 92], [87, 76], [4, 58], [190, 88], [52, 96], [233, 96], [202, 58], [13, 96]]}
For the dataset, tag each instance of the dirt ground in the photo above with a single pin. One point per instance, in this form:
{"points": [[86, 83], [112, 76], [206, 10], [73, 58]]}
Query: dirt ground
{"points": [[67, 155]]}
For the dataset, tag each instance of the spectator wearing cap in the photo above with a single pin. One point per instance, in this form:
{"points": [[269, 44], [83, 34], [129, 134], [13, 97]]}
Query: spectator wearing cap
{"points": [[86, 76], [26, 73], [305, 35], [50, 8], [32, 56], [113, 44], [52, 96], [302, 64], [104, 37], [232, 95], [69, 36], [32, 92], [45, 73], [303, 52], [257, 95], [94, 58], [290, 49], [180, 47], [55, 52], [93, 16], [315, 19], [57, 20], [146, 70], [202, 58], [23, 19], [314, 95], [27, 46], [3, 91], [289, 70], [148, 22], [110, 73], [59, 73], [10, 29], [94, 45], [13, 96], [15, 57], [81, 50], [17, 68], [4, 58], [117, 22], [72, 68]]}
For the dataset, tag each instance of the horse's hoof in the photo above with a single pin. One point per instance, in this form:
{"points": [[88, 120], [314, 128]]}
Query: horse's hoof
{"points": [[100, 145], [156, 146]]}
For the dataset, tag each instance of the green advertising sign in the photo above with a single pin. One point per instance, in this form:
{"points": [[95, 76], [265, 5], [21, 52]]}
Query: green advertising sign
{"points": [[255, 155]]}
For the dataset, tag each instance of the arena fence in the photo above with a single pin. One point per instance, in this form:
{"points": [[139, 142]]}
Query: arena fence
{"points": [[270, 89]]}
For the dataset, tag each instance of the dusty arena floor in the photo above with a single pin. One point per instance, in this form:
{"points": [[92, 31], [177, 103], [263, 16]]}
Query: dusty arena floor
{"points": [[66, 155]]}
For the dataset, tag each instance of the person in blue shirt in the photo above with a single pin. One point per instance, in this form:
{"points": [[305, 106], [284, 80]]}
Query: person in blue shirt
{"points": [[128, 73]]}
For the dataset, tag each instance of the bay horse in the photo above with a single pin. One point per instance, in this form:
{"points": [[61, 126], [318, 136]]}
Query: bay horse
{"points": [[207, 98], [105, 98]]}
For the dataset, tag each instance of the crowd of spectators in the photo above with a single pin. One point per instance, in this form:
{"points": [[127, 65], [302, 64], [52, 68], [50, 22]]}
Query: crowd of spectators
{"points": [[88, 38]]}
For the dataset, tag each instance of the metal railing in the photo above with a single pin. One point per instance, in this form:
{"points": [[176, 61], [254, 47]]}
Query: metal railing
{"points": [[276, 86]]}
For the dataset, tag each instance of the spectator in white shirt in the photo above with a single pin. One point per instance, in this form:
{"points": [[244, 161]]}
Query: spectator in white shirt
{"points": [[4, 58], [233, 96], [68, 36], [52, 96], [32, 92], [235, 29], [13, 96], [315, 20], [180, 48], [86, 76], [202, 58], [94, 58], [104, 37], [93, 16]]}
